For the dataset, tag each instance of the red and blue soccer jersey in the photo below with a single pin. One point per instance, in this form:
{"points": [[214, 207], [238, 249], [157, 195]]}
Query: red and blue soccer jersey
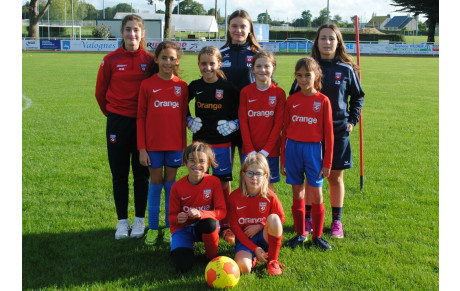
{"points": [[261, 118], [118, 80], [207, 197], [309, 119], [163, 106], [245, 211]]}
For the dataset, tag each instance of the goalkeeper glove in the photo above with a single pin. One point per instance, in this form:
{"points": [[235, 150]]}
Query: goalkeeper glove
{"points": [[194, 124], [226, 127]]}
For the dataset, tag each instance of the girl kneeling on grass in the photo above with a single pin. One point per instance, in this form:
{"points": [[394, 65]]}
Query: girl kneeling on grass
{"points": [[256, 217], [307, 123], [196, 204]]}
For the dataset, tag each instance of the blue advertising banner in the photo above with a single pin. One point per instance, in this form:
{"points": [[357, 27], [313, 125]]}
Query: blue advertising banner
{"points": [[50, 44]]}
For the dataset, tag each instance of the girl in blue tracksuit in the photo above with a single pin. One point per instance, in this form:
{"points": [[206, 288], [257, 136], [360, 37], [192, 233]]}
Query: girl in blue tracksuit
{"points": [[341, 84], [237, 54]]}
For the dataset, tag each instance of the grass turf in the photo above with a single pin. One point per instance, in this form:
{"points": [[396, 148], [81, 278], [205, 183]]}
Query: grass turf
{"points": [[68, 214]]}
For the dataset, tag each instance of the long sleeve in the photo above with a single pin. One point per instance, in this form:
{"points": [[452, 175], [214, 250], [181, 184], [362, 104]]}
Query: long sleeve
{"points": [[356, 99], [244, 122], [174, 206], [284, 134], [328, 130], [141, 117], [102, 85]]}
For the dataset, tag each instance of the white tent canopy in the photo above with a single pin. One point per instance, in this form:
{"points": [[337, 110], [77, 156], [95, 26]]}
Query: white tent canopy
{"points": [[181, 22]]}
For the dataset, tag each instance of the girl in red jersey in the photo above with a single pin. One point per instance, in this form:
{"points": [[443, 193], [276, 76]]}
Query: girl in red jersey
{"points": [[161, 132], [307, 123], [256, 217], [216, 111], [196, 204], [261, 114], [117, 89]]}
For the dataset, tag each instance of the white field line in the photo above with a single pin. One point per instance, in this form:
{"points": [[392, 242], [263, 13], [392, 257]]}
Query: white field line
{"points": [[28, 102]]}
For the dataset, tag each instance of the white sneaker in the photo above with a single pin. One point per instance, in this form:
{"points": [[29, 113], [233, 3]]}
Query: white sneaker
{"points": [[138, 228], [122, 229]]}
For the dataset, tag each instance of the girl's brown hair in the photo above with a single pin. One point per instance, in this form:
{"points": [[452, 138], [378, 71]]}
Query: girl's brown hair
{"points": [[140, 21], [251, 39], [265, 54], [260, 161], [341, 51], [196, 147], [213, 51], [309, 64], [154, 68]]}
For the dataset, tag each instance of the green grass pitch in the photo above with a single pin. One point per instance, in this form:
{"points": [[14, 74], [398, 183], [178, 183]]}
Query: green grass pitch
{"points": [[68, 214]]}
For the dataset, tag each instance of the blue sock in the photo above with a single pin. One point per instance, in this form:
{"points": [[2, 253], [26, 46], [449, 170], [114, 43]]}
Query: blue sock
{"points": [[336, 213], [167, 186], [154, 205]]}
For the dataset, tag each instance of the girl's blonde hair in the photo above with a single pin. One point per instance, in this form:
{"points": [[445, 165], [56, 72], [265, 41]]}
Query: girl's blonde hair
{"points": [[140, 21], [251, 39], [260, 161], [264, 54], [196, 147], [154, 68], [341, 51], [213, 51], [309, 64]]}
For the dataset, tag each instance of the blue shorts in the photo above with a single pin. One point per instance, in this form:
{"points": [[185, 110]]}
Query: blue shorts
{"points": [[303, 158], [258, 239], [184, 237], [224, 160], [341, 158], [274, 165], [158, 159]]}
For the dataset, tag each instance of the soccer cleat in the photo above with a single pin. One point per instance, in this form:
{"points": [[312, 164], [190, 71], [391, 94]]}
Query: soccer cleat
{"points": [[151, 237], [138, 229], [122, 229], [336, 229], [308, 226], [167, 235], [274, 267], [322, 243], [295, 241], [228, 236]]}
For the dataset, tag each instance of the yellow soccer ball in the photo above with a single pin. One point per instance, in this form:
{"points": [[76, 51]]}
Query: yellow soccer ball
{"points": [[222, 272]]}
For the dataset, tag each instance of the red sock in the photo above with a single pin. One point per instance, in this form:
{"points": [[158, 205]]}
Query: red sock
{"points": [[211, 242], [317, 219], [224, 222], [274, 245], [298, 214]]}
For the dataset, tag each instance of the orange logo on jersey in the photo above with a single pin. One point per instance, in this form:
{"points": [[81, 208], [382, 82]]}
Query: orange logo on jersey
{"points": [[207, 194], [263, 206]]}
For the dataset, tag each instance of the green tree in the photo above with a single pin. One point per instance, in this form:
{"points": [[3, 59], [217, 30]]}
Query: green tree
{"points": [[168, 5], [123, 7], [220, 19], [321, 19], [35, 16], [264, 17], [189, 7], [429, 8], [306, 16]]}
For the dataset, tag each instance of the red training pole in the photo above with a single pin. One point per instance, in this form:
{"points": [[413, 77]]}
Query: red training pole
{"points": [[361, 154]]}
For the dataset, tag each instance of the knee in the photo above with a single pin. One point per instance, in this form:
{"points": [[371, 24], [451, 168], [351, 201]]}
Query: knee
{"points": [[335, 178], [207, 225], [245, 268], [273, 219], [182, 259]]}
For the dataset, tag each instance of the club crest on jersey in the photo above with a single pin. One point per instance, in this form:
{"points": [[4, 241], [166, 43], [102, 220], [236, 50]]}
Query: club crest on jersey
{"points": [[177, 90], [338, 76], [143, 67], [316, 106], [272, 100], [206, 194], [113, 138], [219, 94], [249, 59], [263, 206]]}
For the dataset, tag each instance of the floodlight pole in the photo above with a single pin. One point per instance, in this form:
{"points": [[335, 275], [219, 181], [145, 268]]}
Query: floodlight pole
{"points": [[361, 153], [73, 30], [327, 14]]}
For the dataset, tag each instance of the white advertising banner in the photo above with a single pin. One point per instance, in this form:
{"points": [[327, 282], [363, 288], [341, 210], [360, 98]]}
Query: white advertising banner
{"points": [[381, 48]]}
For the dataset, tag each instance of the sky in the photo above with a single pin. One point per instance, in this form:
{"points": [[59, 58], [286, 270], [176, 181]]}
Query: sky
{"points": [[284, 10]]}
